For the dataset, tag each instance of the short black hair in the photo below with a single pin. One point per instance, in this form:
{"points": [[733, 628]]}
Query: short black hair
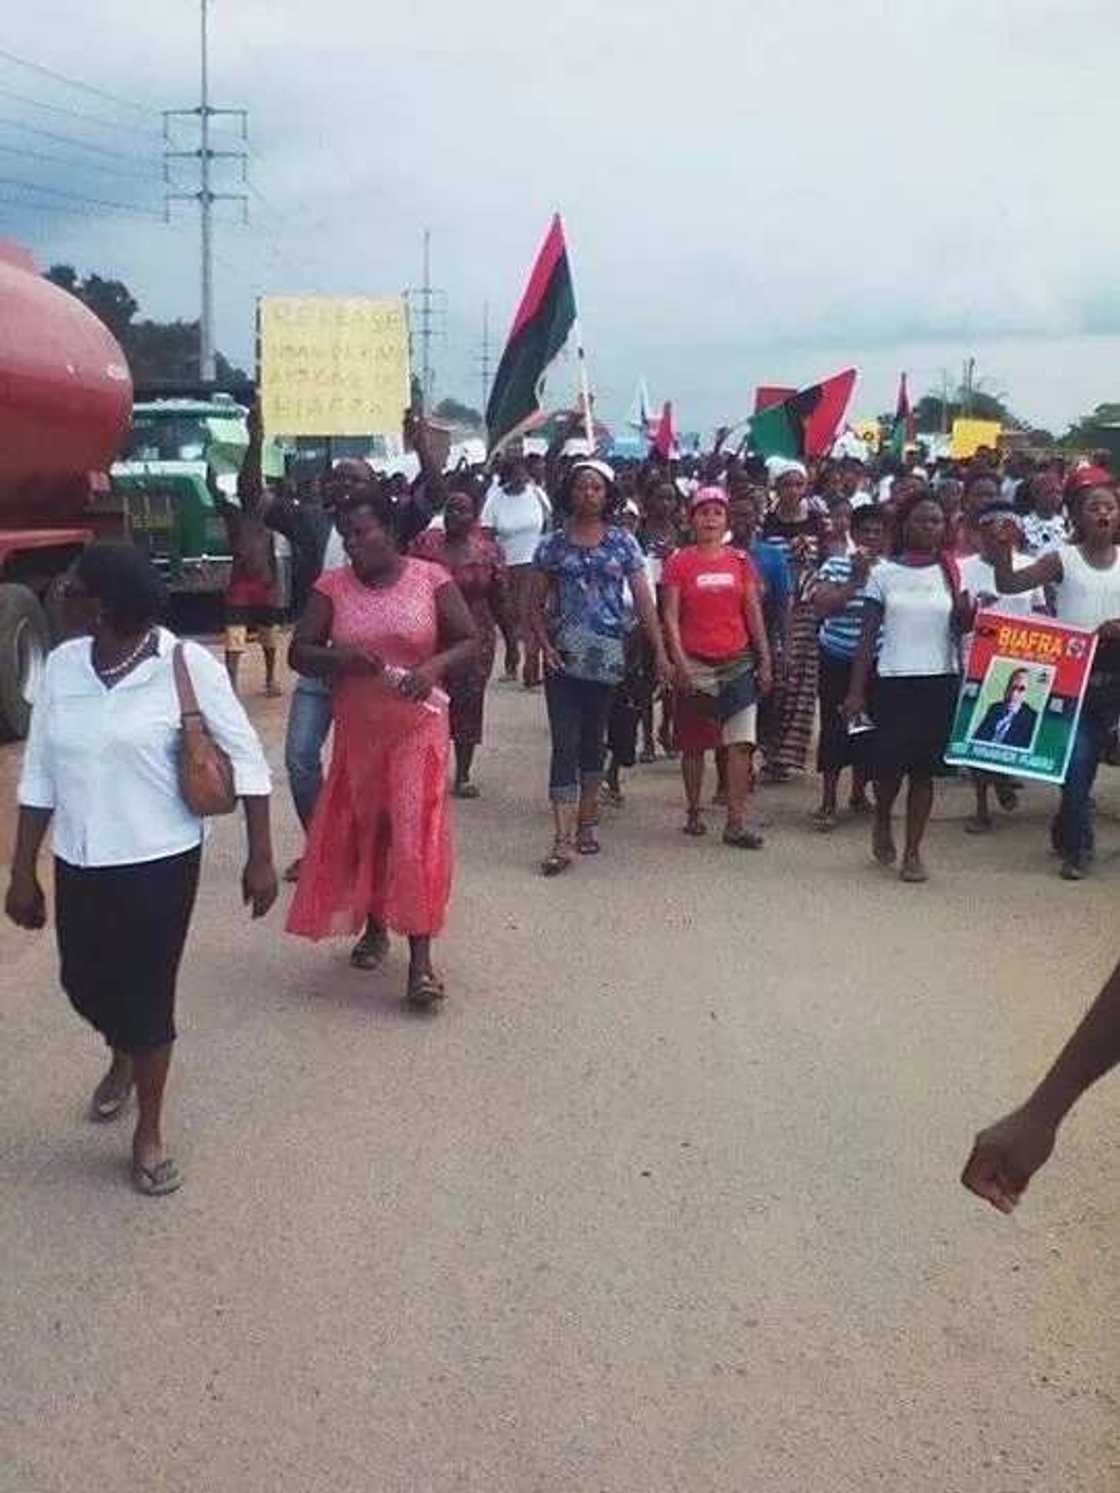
{"points": [[125, 582], [867, 513], [374, 500]]}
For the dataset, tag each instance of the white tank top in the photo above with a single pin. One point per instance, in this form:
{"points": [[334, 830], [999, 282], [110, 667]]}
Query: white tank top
{"points": [[1085, 596]]}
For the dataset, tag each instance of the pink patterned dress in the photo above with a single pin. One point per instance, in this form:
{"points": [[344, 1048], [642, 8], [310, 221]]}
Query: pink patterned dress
{"points": [[380, 842]]}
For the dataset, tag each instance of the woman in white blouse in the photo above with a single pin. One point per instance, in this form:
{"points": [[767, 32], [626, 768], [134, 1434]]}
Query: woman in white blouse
{"points": [[101, 761]]}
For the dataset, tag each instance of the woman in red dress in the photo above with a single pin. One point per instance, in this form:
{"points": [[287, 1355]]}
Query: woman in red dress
{"points": [[385, 630], [476, 566]]}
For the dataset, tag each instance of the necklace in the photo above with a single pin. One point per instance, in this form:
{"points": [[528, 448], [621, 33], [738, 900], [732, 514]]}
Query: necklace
{"points": [[127, 662]]}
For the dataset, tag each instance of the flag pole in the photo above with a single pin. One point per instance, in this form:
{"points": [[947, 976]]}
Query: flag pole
{"points": [[584, 387], [577, 331]]}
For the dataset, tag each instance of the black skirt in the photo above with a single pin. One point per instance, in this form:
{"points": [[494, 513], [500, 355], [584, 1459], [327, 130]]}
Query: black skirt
{"points": [[913, 716], [836, 748], [121, 931]]}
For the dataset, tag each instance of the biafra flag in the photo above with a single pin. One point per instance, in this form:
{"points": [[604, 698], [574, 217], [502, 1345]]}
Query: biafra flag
{"points": [[806, 423], [539, 331]]}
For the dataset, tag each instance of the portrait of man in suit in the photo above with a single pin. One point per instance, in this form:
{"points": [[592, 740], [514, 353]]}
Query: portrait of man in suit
{"points": [[1011, 721]]}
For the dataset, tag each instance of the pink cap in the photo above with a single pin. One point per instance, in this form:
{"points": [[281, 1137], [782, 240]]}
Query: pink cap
{"points": [[709, 494]]}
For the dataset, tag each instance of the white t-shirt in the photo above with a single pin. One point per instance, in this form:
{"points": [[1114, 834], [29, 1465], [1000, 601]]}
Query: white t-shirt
{"points": [[518, 520], [979, 579], [334, 553], [916, 637]]}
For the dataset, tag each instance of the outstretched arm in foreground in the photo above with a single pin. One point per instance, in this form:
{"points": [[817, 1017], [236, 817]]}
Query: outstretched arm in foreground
{"points": [[1008, 1153]]}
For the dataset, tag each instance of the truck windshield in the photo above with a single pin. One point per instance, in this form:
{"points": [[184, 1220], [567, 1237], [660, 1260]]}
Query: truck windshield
{"points": [[166, 438]]}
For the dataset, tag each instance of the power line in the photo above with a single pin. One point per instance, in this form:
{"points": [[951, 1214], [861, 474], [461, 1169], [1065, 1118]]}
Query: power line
{"points": [[37, 155], [47, 72], [61, 207], [97, 119], [101, 150], [121, 207]]}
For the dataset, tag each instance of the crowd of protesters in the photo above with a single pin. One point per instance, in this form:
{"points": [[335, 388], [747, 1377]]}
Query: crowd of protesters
{"points": [[724, 605]]}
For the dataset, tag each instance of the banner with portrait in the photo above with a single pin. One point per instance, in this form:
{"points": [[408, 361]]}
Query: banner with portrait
{"points": [[1021, 695]]}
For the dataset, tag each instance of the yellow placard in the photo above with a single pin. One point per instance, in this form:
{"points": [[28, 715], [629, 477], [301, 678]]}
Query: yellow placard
{"points": [[970, 435], [333, 365]]}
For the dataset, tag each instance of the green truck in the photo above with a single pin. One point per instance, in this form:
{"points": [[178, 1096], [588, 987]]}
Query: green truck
{"points": [[176, 453]]}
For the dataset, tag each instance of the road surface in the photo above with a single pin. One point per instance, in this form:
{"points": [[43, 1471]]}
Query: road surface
{"points": [[665, 1199]]}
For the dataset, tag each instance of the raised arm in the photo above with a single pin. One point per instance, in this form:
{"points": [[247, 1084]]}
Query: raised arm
{"points": [[1046, 570]]}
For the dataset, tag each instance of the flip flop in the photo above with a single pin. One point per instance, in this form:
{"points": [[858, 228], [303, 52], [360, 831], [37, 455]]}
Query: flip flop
{"points": [[743, 839], [559, 861], [108, 1106], [694, 825], [369, 951], [587, 842], [156, 1181], [426, 991]]}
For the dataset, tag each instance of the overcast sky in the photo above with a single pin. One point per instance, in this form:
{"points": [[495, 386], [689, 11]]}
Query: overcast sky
{"points": [[759, 193]]}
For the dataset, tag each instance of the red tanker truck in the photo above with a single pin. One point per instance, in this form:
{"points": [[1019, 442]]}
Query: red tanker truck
{"points": [[65, 405]]}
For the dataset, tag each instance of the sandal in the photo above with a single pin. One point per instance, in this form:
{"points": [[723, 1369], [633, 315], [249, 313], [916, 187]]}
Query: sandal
{"points": [[425, 991], [913, 871], [744, 839], [694, 825], [648, 755], [156, 1181], [883, 847], [559, 860], [370, 950], [974, 825], [464, 790], [1006, 796], [108, 1100], [587, 842], [824, 820]]}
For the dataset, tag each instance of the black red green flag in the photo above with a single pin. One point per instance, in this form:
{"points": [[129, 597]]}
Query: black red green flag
{"points": [[540, 329], [902, 431], [805, 424]]}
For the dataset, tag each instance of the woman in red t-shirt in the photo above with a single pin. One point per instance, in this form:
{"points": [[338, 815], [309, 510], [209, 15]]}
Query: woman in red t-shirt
{"points": [[717, 642]]}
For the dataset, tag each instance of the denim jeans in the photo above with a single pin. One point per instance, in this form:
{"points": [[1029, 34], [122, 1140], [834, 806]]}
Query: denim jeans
{"points": [[309, 721], [578, 710], [1075, 820]]}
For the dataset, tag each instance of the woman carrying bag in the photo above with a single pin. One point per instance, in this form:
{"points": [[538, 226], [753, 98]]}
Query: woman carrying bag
{"points": [[115, 752]]}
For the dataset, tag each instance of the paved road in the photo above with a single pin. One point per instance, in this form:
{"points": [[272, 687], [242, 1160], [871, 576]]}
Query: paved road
{"points": [[665, 1200]]}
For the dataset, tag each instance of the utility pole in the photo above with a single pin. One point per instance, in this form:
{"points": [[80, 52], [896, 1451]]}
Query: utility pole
{"points": [[205, 155], [484, 368], [969, 381], [430, 308]]}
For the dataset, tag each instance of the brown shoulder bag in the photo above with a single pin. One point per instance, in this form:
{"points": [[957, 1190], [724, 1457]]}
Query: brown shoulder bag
{"points": [[205, 771]]}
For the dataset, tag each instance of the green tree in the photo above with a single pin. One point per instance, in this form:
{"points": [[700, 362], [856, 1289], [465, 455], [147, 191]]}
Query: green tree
{"points": [[1098, 429], [458, 413], [930, 414], [110, 300], [158, 352]]}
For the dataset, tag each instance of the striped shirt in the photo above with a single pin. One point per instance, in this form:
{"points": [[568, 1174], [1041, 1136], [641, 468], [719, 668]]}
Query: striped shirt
{"points": [[839, 634]]}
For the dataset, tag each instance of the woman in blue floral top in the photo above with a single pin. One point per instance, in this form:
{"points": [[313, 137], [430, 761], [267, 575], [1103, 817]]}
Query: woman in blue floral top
{"points": [[590, 579]]}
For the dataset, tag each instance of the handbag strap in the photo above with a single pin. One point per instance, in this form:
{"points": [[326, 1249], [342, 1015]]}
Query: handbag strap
{"points": [[184, 687]]}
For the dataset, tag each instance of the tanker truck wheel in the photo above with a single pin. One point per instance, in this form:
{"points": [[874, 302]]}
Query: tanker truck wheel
{"points": [[25, 641]]}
